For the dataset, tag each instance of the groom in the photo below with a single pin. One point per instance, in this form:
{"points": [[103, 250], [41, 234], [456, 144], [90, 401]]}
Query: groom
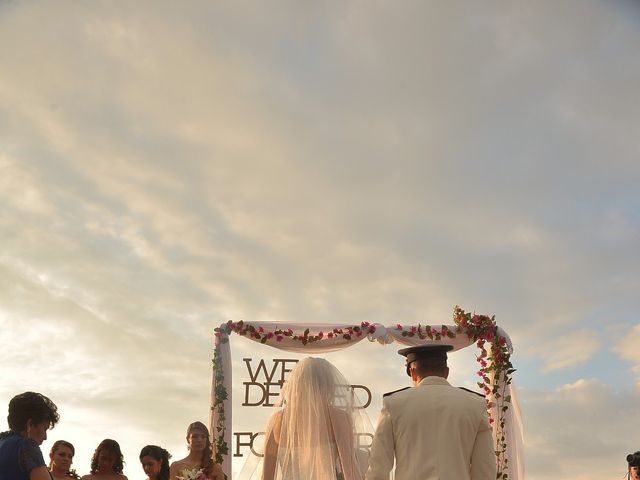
{"points": [[433, 430]]}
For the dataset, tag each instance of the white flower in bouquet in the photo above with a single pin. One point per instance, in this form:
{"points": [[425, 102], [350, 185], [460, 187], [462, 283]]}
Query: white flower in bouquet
{"points": [[191, 474]]}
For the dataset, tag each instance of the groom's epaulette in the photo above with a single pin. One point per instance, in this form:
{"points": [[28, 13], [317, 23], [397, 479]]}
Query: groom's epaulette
{"points": [[395, 391], [471, 391]]}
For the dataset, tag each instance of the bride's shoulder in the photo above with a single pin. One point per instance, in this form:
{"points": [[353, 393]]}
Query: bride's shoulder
{"points": [[275, 422]]}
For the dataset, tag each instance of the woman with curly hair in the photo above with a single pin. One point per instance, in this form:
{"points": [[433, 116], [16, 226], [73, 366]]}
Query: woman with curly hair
{"points": [[200, 458], [155, 462], [61, 456], [31, 414], [107, 462]]}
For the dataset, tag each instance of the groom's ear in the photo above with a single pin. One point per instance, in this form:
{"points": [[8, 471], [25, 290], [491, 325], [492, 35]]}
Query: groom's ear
{"points": [[413, 373]]}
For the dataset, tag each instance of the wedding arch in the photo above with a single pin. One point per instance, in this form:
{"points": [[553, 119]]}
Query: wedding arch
{"points": [[494, 359]]}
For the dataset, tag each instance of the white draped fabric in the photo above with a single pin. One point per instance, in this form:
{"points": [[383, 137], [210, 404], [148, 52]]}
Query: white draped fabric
{"points": [[375, 333]]}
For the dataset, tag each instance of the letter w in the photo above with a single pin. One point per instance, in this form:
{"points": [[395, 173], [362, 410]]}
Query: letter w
{"points": [[261, 366]]}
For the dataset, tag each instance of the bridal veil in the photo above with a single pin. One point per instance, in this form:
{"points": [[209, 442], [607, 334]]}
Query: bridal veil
{"points": [[318, 431]]}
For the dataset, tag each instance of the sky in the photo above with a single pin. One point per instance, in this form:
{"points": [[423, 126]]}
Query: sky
{"points": [[166, 167]]}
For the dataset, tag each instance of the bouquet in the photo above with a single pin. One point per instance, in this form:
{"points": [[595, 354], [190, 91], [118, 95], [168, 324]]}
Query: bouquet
{"points": [[191, 474]]}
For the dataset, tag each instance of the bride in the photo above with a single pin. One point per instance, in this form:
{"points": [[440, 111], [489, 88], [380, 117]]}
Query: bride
{"points": [[314, 432]]}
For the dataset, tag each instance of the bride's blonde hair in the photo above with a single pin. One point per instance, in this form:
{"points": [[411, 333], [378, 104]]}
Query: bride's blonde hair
{"points": [[311, 377]]}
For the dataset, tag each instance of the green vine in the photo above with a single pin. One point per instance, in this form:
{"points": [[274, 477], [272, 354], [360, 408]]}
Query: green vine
{"points": [[221, 447], [497, 361], [263, 336]]}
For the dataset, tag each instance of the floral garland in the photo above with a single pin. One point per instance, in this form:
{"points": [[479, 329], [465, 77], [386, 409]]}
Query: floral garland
{"points": [[494, 360], [426, 332], [220, 445], [263, 336], [497, 361]]}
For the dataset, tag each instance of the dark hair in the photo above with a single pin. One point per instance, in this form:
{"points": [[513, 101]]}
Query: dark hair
{"points": [[31, 406], [112, 447], [428, 365], [161, 455], [206, 462], [60, 443], [633, 459]]}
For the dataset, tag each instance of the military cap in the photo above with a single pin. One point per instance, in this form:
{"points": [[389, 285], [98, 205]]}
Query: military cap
{"points": [[429, 350]]}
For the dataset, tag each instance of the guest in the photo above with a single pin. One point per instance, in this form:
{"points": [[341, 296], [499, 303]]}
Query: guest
{"points": [[61, 456], [200, 455], [30, 416], [633, 461], [155, 462], [107, 462]]}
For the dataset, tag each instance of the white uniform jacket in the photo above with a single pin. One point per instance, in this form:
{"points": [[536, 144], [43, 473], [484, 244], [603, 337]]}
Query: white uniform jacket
{"points": [[435, 432]]}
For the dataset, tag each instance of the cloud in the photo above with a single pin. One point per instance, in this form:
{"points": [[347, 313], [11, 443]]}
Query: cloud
{"points": [[580, 430], [627, 348], [569, 350], [163, 170]]}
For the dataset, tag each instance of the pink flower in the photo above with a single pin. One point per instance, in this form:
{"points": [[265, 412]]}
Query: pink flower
{"points": [[270, 335], [279, 338], [372, 329], [398, 327], [330, 335], [413, 329], [260, 329], [217, 334], [320, 334], [483, 363]]}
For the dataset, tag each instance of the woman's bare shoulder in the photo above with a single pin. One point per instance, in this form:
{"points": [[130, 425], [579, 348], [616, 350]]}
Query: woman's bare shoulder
{"points": [[275, 424], [179, 463]]}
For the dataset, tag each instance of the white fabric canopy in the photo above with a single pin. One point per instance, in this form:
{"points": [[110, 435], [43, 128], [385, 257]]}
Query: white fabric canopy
{"points": [[321, 340]]}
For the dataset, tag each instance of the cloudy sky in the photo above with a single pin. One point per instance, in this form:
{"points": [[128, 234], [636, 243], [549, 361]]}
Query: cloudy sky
{"points": [[167, 166]]}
